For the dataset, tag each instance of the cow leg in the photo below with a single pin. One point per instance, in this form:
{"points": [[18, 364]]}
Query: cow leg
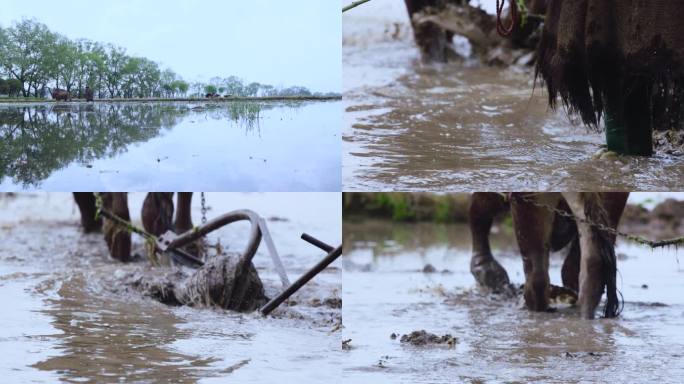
{"points": [[183, 221], [564, 233], [484, 268], [86, 205], [118, 239], [533, 226], [157, 212], [430, 38], [571, 266], [596, 249], [614, 203]]}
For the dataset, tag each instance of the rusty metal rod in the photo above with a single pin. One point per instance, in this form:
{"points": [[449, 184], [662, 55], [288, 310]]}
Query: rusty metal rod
{"points": [[276, 301], [180, 256], [312, 240], [212, 225]]}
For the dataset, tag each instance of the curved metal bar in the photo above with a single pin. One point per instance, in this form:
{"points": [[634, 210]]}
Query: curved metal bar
{"points": [[223, 220]]}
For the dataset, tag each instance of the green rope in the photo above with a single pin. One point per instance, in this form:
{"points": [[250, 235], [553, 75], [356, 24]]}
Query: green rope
{"points": [[522, 9], [150, 239]]}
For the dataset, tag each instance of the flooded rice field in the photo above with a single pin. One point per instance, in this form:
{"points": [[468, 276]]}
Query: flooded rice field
{"points": [[215, 146], [464, 126], [65, 319], [493, 339]]}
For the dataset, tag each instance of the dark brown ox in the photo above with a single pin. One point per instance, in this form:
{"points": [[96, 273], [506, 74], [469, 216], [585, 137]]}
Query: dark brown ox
{"points": [[157, 217], [590, 265], [60, 94], [89, 95], [620, 58]]}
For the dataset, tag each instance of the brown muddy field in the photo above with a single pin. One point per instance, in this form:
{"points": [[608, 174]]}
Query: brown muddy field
{"points": [[68, 317], [403, 278], [464, 126]]}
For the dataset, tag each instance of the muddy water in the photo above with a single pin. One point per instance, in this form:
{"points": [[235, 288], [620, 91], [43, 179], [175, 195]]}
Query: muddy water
{"points": [[385, 292], [65, 318], [461, 126], [226, 146]]}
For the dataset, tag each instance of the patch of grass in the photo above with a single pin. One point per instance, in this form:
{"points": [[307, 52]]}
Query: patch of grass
{"points": [[398, 205], [443, 210]]}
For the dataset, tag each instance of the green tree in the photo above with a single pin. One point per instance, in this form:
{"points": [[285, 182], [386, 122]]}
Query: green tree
{"points": [[183, 87], [210, 89], [64, 58], [180, 87], [115, 62], [252, 89], [268, 90], [25, 50], [35, 59], [4, 40], [96, 68], [167, 80], [15, 87], [233, 86]]}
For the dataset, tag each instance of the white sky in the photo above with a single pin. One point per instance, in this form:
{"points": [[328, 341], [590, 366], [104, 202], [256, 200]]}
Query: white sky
{"points": [[277, 42]]}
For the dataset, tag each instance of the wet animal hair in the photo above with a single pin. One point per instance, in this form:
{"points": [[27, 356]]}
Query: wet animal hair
{"points": [[596, 213], [582, 59]]}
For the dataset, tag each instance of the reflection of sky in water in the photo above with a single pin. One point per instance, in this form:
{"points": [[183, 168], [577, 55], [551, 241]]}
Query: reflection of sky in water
{"points": [[288, 149]]}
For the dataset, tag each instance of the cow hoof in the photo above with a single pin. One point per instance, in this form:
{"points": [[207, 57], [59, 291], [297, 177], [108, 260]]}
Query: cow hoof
{"points": [[489, 274]]}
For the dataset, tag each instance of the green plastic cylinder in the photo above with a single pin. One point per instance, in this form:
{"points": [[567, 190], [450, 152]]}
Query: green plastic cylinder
{"points": [[616, 134]]}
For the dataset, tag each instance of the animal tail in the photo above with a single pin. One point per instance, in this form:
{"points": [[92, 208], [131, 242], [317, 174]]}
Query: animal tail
{"points": [[595, 212]]}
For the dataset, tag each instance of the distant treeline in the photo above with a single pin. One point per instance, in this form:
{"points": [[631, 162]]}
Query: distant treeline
{"points": [[402, 206], [34, 60]]}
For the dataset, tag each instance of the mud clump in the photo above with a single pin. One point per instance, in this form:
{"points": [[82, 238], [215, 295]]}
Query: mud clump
{"points": [[330, 302], [562, 295], [222, 282], [422, 338], [670, 142]]}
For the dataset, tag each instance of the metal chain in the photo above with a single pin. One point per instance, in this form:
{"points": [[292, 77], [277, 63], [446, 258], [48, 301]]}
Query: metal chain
{"points": [[204, 208], [603, 227]]}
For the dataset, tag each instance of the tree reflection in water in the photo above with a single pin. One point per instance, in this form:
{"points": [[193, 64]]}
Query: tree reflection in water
{"points": [[37, 140]]}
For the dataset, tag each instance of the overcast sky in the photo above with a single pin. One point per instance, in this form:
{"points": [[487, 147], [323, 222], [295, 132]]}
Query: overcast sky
{"points": [[277, 42]]}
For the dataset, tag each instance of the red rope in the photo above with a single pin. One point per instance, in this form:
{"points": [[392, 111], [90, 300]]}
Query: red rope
{"points": [[500, 27]]}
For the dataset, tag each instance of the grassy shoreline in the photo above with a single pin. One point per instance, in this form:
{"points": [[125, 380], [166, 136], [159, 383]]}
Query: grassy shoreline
{"points": [[411, 207], [148, 100]]}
